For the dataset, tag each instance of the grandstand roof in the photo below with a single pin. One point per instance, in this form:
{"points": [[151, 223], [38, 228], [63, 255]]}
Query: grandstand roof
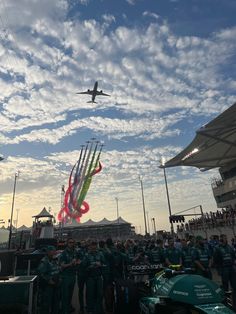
{"points": [[213, 146]]}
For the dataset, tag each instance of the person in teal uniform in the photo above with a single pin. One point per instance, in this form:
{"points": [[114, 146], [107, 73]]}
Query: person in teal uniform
{"points": [[81, 251], [130, 250], [172, 254], [106, 249], [187, 254], [49, 283], [93, 262], [115, 260], [202, 258], [224, 260], [156, 253], [68, 263]]}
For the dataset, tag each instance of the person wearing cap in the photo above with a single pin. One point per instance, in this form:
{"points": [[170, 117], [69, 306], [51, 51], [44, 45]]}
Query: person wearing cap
{"points": [[202, 259], [68, 262], [49, 282]]}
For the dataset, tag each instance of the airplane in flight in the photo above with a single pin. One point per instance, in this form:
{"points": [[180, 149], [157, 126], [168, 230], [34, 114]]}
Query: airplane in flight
{"points": [[94, 93]]}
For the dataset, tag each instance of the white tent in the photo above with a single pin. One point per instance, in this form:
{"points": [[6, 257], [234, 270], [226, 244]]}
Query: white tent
{"points": [[103, 222], [23, 228], [43, 214]]}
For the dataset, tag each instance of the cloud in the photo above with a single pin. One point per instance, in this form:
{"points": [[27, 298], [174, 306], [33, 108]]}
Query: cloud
{"points": [[84, 2], [171, 70], [108, 18], [158, 81], [112, 128], [151, 14], [131, 2]]}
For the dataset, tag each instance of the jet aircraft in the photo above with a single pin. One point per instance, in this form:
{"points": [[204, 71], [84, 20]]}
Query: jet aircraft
{"points": [[94, 93]]}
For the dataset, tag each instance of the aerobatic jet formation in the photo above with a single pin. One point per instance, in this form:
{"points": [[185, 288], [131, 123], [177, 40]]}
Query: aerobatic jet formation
{"points": [[94, 93]]}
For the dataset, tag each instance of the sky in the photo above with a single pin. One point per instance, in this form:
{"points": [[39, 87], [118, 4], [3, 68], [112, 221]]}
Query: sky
{"points": [[169, 66]]}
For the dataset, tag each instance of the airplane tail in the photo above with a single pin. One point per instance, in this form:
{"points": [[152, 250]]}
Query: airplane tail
{"points": [[91, 102]]}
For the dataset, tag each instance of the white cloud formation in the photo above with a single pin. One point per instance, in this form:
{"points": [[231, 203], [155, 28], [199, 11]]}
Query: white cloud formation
{"points": [[45, 59], [113, 128], [151, 14], [194, 64], [131, 2], [108, 18]]}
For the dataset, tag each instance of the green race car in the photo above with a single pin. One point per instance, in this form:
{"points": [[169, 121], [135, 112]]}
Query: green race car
{"points": [[180, 292]]}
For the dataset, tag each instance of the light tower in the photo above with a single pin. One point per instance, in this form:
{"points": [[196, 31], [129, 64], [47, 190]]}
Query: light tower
{"points": [[12, 209], [144, 211], [17, 215], [167, 196]]}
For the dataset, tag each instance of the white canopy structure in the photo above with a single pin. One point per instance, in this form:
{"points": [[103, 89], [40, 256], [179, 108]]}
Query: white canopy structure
{"points": [[23, 228], [44, 213], [213, 146], [103, 222]]}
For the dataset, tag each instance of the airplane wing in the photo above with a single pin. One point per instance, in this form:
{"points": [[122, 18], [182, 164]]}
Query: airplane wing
{"points": [[89, 92], [101, 93]]}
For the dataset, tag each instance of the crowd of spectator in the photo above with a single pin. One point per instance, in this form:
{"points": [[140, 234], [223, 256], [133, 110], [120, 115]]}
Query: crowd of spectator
{"points": [[220, 218]]}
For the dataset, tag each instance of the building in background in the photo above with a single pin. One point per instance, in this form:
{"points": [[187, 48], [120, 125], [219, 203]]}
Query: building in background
{"points": [[224, 188]]}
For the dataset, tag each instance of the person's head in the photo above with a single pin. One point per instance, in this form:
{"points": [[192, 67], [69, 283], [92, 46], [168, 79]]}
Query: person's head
{"points": [[51, 251], [171, 243], [223, 239], [159, 243], [199, 240], [70, 243], [109, 242], [93, 246], [101, 244], [83, 244], [128, 244], [119, 247]]}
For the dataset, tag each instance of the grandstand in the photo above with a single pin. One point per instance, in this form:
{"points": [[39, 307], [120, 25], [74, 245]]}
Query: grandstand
{"points": [[214, 146]]}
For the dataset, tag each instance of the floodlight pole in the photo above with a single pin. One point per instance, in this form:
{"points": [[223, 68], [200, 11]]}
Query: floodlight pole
{"points": [[17, 211], [148, 226], [12, 209], [154, 226], [144, 211], [203, 221], [168, 201]]}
